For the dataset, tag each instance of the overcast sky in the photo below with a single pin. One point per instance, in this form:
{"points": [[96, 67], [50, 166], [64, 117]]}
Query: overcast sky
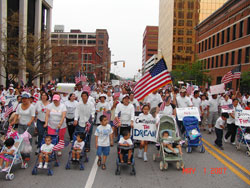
{"points": [[125, 21]]}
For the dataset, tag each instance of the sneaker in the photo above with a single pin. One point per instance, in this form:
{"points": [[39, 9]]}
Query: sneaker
{"points": [[73, 159], [5, 169], [140, 154], [40, 165], [225, 140], [233, 143], [145, 157], [59, 153], [45, 166]]}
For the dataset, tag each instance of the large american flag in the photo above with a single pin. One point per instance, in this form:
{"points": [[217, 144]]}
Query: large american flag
{"points": [[233, 74], [157, 77], [8, 110], [83, 78]]}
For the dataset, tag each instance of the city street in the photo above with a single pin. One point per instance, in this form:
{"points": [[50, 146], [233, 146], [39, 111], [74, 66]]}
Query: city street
{"points": [[148, 173]]}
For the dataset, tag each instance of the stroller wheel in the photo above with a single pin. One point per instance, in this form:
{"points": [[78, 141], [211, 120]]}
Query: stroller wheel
{"points": [[56, 164], [178, 165], [166, 166], [34, 171], [248, 153], [161, 166], [50, 172], [202, 149], [67, 167], [81, 167], [154, 157], [118, 171]]}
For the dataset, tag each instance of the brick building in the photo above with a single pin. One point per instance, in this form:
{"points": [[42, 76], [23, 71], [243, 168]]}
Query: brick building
{"points": [[150, 45], [89, 50], [223, 40]]}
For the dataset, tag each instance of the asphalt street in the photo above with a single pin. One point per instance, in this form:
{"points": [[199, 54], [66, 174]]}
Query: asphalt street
{"points": [[233, 165]]}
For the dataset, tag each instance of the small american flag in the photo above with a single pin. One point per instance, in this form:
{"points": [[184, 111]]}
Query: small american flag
{"points": [[88, 126], [36, 97], [117, 122], [162, 107], [8, 110], [59, 146], [233, 74], [227, 107], [157, 77]]}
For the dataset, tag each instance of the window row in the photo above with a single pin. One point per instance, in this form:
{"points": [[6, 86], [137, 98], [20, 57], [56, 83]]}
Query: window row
{"points": [[182, 23]]}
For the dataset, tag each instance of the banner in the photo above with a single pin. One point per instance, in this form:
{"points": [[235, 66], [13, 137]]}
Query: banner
{"points": [[144, 129], [65, 88], [216, 89], [115, 83], [242, 118], [189, 111]]}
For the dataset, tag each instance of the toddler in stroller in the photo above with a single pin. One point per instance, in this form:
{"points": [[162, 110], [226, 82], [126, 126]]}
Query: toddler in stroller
{"points": [[46, 151]]}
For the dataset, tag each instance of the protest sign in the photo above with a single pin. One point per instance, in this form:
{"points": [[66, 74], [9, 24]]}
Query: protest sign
{"points": [[242, 118], [216, 89], [65, 88], [145, 129], [189, 111], [115, 83]]}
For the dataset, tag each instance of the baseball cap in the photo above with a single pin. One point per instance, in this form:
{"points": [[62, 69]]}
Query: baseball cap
{"points": [[102, 95], [56, 98], [124, 96], [11, 88], [183, 90], [25, 95]]}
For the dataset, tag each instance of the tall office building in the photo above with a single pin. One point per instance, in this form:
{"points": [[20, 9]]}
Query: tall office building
{"points": [[34, 17], [177, 19], [150, 45]]}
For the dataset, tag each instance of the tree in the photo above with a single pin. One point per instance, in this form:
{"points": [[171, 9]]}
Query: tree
{"points": [[244, 82], [192, 73]]}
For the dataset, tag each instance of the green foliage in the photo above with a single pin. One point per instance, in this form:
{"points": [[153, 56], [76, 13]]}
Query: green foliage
{"points": [[245, 81], [191, 73]]}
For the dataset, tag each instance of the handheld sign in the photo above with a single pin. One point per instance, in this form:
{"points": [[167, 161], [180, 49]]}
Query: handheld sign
{"points": [[115, 83], [65, 88], [189, 111], [216, 89], [145, 129], [242, 118]]}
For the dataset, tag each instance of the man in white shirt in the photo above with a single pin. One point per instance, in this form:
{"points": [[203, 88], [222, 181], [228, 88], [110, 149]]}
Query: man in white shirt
{"points": [[196, 100], [246, 99], [153, 99], [78, 92], [213, 112], [182, 100]]}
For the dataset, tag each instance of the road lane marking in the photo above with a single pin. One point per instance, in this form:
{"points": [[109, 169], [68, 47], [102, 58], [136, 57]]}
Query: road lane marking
{"points": [[240, 175], [92, 174], [228, 158]]}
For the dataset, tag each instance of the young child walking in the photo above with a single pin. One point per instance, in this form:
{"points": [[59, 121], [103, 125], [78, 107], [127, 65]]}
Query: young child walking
{"points": [[78, 146], [219, 126], [8, 154], [46, 150], [103, 140]]}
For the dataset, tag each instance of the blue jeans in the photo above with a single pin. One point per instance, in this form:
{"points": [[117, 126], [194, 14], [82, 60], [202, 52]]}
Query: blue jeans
{"points": [[102, 150], [41, 130]]}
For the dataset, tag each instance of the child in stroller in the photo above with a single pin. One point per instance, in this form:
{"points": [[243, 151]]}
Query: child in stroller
{"points": [[169, 144], [46, 151], [7, 154], [126, 141], [78, 147]]}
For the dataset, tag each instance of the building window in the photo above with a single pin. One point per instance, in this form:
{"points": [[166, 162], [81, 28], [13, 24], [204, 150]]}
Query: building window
{"points": [[72, 41], [241, 29], [81, 41], [222, 37], [91, 42], [190, 5], [205, 45], [54, 36], [100, 42], [199, 47], [188, 49], [209, 43], [228, 34], [189, 15], [202, 46], [101, 35], [181, 23], [174, 22], [180, 48], [208, 63], [217, 61], [218, 80], [221, 60], [189, 40], [63, 36], [218, 39], [173, 39], [82, 36], [227, 55], [189, 23], [233, 57], [100, 48], [72, 36], [180, 40], [180, 14], [247, 55], [239, 56], [180, 32], [188, 58], [248, 25], [213, 42], [212, 66], [174, 32], [91, 36], [189, 32], [234, 32], [181, 5]]}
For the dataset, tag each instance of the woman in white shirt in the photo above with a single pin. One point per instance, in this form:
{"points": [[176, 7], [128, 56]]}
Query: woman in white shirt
{"points": [[169, 109], [204, 111], [70, 115], [55, 118], [41, 112], [102, 106]]}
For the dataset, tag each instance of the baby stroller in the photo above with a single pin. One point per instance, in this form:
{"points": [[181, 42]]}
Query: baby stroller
{"points": [[83, 155], [192, 134], [17, 158], [125, 156], [53, 156], [243, 138], [167, 123]]}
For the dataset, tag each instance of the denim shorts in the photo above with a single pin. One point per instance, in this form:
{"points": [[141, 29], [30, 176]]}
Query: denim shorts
{"points": [[103, 150]]}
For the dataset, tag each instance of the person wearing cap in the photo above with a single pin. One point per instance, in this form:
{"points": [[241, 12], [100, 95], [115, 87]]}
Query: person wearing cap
{"points": [[126, 111], [101, 107], [153, 99], [55, 118], [183, 101]]}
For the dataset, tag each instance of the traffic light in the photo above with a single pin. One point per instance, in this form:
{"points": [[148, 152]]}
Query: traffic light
{"points": [[115, 63], [124, 64]]}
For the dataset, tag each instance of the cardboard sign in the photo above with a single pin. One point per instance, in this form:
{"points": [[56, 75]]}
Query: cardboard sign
{"points": [[65, 88], [144, 129], [242, 118], [115, 83], [217, 89], [189, 111]]}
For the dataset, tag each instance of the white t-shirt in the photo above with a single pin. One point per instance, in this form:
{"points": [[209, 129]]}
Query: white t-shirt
{"points": [[100, 106], [127, 113], [56, 115], [224, 102], [135, 103], [79, 145], [71, 107], [197, 103], [41, 110], [64, 98], [245, 100], [47, 148], [220, 122], [204, 104], [11, 149], [103, 133], [78, 95], [123, 141], [25, 115], [153, 100], [231, 120], [183, 102], [213, 105], [168, 110]]}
